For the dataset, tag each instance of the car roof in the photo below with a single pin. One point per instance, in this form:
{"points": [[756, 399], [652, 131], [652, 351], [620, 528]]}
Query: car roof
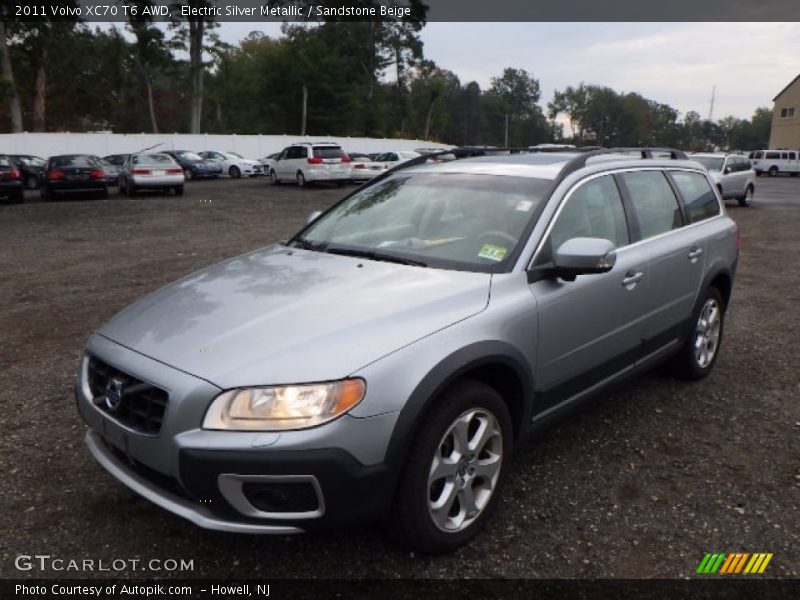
{"points": [[715, 154], [545, 165]]}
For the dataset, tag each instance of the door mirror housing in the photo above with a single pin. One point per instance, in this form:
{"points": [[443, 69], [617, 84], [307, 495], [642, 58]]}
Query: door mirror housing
{"points": [[583, 256]]}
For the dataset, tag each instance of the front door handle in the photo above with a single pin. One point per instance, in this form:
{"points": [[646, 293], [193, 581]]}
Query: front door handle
{"points": [[695, 253], [632, 278]]}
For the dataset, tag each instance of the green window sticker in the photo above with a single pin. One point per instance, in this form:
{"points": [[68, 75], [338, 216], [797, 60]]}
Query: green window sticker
{"points": [[492, 252]]}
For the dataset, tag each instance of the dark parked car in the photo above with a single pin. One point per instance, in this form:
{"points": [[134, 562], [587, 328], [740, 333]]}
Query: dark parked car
{"points": [[194, 165], [30, 168], [112, 171], [118, 160], [10, 181], [73, 174]]}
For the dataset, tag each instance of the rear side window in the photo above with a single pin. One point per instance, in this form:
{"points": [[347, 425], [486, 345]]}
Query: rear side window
{"points": [[593, 210], [328, 152], [655, 204], [773, 155], [699, 198]]}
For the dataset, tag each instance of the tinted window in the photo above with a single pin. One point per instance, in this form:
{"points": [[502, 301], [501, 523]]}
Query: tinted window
{"points": [[698, 195], [655, 203], [593, 210], [773, 155], [793, 155], [328, 152], [73, 161]]}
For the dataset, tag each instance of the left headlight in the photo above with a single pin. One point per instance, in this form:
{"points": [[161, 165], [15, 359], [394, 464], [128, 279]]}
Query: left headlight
{"points": [[284, 407]]}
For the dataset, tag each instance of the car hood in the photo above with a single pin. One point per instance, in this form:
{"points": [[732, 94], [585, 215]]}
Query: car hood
{"points": [[281, 315]]}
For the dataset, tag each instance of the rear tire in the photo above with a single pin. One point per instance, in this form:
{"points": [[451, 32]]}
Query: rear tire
{"points": [[31, 182], [697, 357], [747, 199], [47, 195], [130, 190], [234, 172], [18, 198], [104, 194], [454, 471], [301, 179], [178, 190], [187, 174]]}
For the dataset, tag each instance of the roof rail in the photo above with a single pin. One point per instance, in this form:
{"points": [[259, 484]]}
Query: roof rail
{"points": [[580, 161], [585, 153]]}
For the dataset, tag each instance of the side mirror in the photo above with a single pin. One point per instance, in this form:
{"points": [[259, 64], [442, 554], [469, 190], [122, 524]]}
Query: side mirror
{"points": [[726, 170], [313, 217], [583, 256]]}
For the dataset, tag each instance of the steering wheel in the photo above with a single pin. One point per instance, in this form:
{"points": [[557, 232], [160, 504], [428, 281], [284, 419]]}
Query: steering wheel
{"points": [[498, 234]]}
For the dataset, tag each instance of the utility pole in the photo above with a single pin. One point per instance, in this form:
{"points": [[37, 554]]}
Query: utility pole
{"points": [[713, 96], [305, 102]]}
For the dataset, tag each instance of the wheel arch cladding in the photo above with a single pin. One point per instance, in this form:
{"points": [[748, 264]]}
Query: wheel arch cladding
{"points": [[722, 281], [494, 363]]}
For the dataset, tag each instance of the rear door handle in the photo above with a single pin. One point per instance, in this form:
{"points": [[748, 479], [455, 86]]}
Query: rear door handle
{"points": [[632, 278], [695, 253]]}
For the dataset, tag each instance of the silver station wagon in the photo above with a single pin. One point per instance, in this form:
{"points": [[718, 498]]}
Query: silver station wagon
{"points": [[385, 362]]}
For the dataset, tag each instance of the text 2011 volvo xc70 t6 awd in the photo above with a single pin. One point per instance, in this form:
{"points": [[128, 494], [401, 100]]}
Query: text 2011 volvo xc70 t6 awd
{"points": [[385, 362]]}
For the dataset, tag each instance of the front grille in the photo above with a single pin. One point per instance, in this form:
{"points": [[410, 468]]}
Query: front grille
{"points": [[141, 406]]}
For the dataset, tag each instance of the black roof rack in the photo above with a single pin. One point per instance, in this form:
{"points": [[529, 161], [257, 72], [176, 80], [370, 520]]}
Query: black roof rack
{"points": [[585, 153]]}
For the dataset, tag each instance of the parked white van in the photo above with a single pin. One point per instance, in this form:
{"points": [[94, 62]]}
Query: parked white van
{"points": [[773, 162]]}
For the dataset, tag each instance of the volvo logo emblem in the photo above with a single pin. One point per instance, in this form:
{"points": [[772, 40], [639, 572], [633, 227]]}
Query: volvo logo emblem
{"points": [[113, 394]]}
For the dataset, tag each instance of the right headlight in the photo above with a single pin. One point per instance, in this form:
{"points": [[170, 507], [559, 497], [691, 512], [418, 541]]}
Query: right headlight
{"points": [[283, 407]]}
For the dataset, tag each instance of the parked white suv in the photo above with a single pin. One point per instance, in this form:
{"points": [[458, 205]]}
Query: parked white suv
{"points": [[732, 174], [309, 162]]}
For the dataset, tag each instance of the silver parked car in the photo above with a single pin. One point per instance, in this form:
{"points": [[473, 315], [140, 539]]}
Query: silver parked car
{"points": [[732, 174], [151, 171], [387, 360]]}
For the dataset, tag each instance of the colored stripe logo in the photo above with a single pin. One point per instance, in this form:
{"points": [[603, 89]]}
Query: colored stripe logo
{"points": [[734, 563]]}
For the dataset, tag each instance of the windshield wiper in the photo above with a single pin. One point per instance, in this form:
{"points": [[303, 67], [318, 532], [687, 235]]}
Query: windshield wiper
{"points": [[307, 244], [374, 255]]}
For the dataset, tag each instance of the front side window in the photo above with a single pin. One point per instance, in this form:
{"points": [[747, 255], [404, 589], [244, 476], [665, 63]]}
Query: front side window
{"points": [[699, 198], [593, 210], [450, 221], [655, 204]]}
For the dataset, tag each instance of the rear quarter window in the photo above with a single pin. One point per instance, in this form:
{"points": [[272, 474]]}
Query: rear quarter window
{"points": [[699, 198]]}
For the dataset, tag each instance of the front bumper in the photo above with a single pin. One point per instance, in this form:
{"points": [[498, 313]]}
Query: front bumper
{"points": [[319, 478]]}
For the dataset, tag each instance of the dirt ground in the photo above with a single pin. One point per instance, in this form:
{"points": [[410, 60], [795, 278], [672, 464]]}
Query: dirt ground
{"points": [[639, 485]]}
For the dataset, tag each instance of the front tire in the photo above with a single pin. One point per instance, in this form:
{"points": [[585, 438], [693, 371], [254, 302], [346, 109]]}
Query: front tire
{"points": [[273, 177], [234, 172], [773, 171], [301, 179], [454, 471], [699, 353], [187, 174], [747, 199]]}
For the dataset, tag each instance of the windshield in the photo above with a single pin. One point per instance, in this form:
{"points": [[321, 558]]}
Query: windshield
{"points": [[712, 163], [451, 221], [232, 155]]}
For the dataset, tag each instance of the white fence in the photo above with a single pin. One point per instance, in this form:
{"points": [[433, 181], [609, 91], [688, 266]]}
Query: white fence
{"points": [[251, 146]]}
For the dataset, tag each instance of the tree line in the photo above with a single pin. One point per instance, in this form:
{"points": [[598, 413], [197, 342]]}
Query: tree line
{"points": [[339, 77]]}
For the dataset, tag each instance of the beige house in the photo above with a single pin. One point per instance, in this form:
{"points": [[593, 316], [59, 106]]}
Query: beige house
{"points": [[786, 117]]}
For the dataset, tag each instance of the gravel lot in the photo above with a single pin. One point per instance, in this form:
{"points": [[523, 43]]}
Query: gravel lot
{"points": [[640, 484]]}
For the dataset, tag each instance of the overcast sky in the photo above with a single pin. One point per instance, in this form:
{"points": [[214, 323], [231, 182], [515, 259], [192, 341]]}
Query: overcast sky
{"points": [[673, 63]]}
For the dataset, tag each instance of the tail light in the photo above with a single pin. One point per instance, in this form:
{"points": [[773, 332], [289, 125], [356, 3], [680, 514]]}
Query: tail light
{"points": [[346, 159], [140, 171], [13, 174], [97, 174], [55, 175], [174, 171], [315, 161]]}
